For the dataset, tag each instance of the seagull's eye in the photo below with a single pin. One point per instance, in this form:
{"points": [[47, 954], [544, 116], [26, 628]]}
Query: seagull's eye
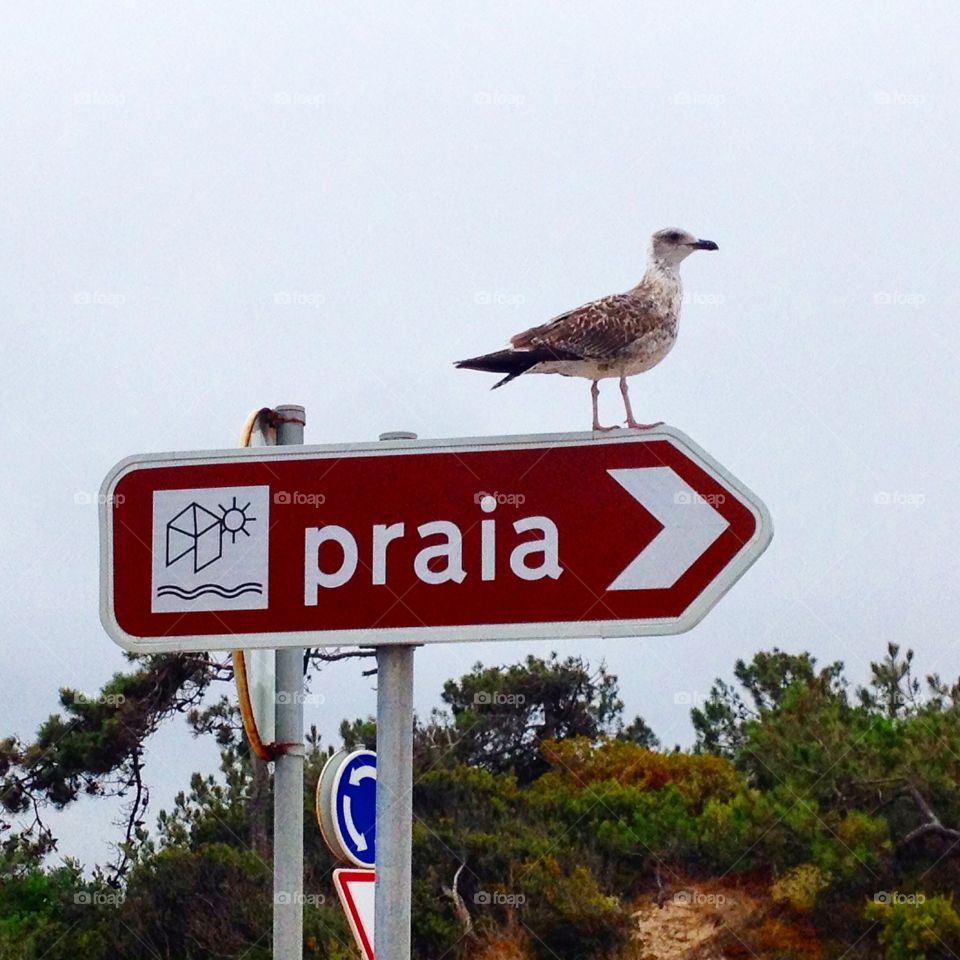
{"points": [[674, 237]]}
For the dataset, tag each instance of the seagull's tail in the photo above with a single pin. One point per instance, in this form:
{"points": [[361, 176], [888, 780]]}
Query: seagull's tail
{"points": [[510, 362]]}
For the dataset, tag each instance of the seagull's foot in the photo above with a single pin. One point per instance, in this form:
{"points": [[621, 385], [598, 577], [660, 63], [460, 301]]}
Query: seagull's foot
{"points": [[633, 425], [599, 429]]}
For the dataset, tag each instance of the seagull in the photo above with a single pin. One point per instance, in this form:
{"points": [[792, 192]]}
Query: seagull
{"points": [[616, 336]]}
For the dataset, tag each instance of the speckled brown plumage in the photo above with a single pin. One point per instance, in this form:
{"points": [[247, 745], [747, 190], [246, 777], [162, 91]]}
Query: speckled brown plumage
{"points": [[616, 336]]}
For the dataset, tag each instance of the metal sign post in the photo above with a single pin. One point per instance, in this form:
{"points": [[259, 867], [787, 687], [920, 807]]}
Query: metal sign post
{"points": [[394, 802], [288, 769]]}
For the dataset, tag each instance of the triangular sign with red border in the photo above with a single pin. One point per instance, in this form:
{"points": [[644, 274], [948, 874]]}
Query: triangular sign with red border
{"points": [[355, 888]]}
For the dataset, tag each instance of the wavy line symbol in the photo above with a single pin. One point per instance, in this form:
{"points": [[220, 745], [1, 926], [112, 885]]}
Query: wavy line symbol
{"points": [[228, 593]]}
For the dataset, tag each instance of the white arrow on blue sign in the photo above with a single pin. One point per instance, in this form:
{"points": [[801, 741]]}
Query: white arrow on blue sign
{"points": [[347, 806]]}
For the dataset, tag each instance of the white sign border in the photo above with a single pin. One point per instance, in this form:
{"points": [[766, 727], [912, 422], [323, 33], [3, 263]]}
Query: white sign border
{"points": [[664, 626]]}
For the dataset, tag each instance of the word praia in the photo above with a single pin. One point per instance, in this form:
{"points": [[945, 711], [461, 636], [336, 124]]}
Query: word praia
{"points": [[438, 562]]}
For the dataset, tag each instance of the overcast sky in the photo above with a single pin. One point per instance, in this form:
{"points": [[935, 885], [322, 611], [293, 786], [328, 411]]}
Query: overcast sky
{"points": [[208, 208]]}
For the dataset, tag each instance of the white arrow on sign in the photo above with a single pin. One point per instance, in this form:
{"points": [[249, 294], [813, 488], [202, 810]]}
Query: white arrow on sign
{"points": [[368, 772], [359, 840], [690, 525]]}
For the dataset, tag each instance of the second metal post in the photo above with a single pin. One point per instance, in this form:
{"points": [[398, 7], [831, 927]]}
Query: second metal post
{"points": [[394, 802], [288, 770]]}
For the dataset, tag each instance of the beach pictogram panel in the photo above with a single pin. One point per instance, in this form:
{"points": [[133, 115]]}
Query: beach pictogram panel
{"points": [[210, 549]]}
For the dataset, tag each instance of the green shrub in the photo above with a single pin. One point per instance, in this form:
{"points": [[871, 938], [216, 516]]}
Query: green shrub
{"points": [[916, 928]]}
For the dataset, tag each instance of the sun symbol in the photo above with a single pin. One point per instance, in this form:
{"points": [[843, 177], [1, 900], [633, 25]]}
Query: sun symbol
{"points": [[235, 519]]}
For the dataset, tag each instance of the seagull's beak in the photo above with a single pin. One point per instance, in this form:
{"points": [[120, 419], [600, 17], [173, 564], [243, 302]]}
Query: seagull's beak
{"points": [[704, 245]]}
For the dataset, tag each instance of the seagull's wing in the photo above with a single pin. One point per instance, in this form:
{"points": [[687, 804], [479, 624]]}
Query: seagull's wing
{"points": [[608, 329], [599, 330]]}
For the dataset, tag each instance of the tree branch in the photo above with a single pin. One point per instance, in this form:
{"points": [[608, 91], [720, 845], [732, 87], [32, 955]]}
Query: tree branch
{"points": [[933, 823], [459, 907]]}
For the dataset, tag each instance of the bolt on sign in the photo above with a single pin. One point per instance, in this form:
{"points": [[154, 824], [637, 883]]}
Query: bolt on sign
{"points": [[572, 535]]}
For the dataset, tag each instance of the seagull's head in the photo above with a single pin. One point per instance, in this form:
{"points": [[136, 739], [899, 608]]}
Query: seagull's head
{"points": [[672, 245]]}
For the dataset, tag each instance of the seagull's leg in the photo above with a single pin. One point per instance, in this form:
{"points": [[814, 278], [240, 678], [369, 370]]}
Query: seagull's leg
{"points": [[595, 394], [631, 423]]}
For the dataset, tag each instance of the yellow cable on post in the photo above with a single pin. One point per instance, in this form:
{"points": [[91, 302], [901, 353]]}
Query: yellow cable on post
{"points": [[247, 432], [261, 749]]}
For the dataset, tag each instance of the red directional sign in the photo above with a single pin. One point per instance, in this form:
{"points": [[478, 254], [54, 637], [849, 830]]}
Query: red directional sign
{"points": [[572, 535]]}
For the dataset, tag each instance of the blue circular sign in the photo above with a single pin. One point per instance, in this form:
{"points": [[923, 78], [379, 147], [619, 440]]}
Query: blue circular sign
{"points": [[354, 807]]}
